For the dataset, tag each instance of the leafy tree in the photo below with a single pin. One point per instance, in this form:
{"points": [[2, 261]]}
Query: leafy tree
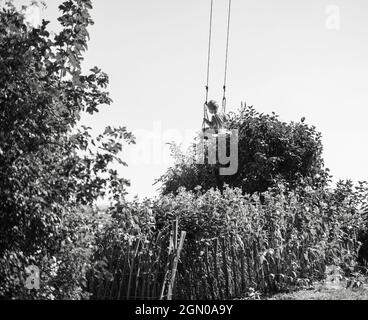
{"points": [[269, 151], [49, 165]]}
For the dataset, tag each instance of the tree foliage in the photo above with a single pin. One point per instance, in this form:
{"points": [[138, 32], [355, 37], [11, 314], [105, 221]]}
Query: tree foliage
{"points": [[49, 165], [269, 151]]}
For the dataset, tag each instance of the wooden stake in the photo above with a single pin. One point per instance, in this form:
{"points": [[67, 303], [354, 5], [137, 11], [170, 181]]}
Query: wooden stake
{"points": [[225, 270], [234, 266], [218, 284], [175, 264]]}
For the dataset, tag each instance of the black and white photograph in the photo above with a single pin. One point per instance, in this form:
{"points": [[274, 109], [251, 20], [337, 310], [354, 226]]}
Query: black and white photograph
{"points": [[189, 157]]}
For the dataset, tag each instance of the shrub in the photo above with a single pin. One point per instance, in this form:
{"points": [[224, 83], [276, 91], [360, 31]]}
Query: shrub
{"points": [[269, 150], [237, 243]]}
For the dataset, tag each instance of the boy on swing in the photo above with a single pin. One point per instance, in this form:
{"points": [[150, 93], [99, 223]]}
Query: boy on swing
{"points": [[216, 122]]}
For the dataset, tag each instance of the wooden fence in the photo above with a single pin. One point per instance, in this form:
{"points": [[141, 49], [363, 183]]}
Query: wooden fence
{"points": [[140, 269], [222, 269], [165, 267]]}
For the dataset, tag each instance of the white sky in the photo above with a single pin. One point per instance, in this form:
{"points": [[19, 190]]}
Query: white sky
{"points": [[283, 58]]}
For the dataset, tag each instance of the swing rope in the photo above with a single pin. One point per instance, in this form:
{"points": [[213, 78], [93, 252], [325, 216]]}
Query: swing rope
{"points": [[205, 115], [226, 58]]}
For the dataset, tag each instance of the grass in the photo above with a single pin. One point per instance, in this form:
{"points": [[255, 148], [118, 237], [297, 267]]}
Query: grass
{"points": [[336, 286], [327, 291], [324, 294]]}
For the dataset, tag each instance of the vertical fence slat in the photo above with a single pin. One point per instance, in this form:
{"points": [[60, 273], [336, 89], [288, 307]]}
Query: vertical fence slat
{"points": [[218, 282], [233, 260], [179, 248], [154, 292], [147, 271], [249, 266], [209, 275], [138, 274], [132, 270], [256, 263], [224, 268], [123, 270], [242, 270], [115, 273], [169, 257]]}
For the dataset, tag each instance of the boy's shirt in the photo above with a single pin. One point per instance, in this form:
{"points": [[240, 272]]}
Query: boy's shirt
{"points": [[217, 122]]}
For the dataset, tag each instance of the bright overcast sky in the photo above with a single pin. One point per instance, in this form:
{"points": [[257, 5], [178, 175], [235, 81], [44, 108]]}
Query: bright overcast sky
{"points": [[293, 57]]}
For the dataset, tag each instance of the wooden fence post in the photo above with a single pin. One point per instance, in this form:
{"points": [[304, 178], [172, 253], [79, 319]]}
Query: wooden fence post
{"points": [[123, 270], [209, 276], [232, 244], [175, 265], [224, 268], [242, 272], [175, 249], [131, 270], [218, 283]]}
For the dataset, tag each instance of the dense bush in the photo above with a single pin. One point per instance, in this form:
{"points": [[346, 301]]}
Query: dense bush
{"points": [[294, 236], [236, 242], [269, 150]]}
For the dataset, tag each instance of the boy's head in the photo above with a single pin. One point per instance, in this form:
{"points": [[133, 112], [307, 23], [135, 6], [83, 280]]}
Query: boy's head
{"points": [[212, 106]]}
